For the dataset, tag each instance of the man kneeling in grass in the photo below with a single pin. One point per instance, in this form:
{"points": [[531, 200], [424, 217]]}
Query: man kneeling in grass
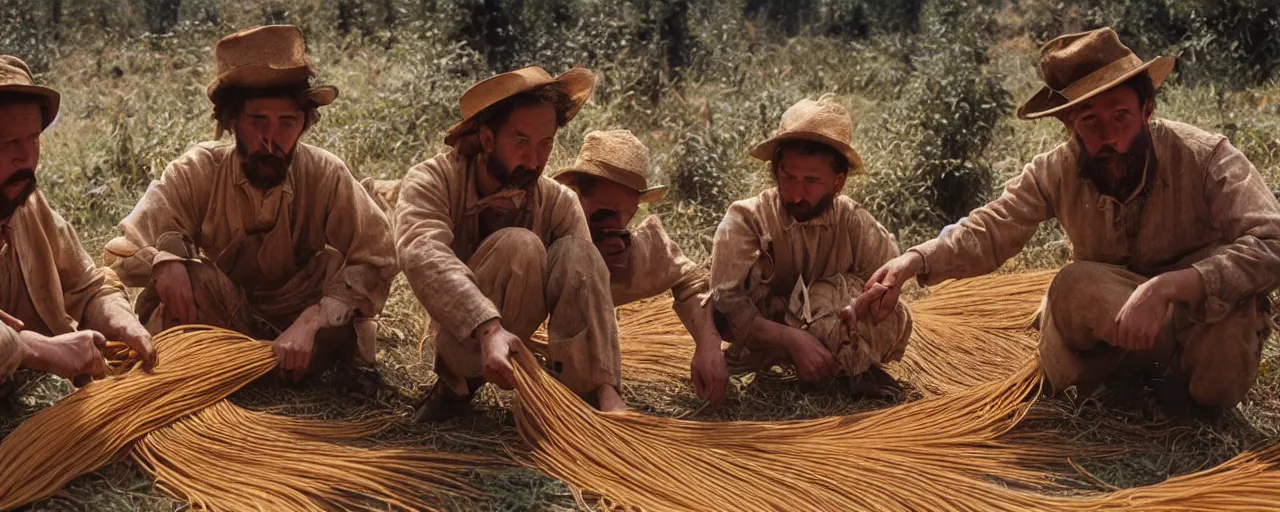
{"points": [[1176, 236]]}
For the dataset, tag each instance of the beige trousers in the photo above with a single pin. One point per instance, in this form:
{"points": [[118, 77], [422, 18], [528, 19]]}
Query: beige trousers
{"points": [[816, 310], [527, 281], [1219, 361], [221, 303]]}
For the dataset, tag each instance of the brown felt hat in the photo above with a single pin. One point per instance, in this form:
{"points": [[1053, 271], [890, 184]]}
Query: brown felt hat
{"points": [[617, 156], [577, 83], [265, 58], [15, 77], [823, 121], [1077, 67]]}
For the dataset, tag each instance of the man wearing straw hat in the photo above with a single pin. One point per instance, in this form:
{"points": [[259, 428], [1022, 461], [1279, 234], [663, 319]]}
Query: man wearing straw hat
{"points": [[611, 180], [1176, 237], [50, 285], [491, 247], [786, 261], [264, 235]]}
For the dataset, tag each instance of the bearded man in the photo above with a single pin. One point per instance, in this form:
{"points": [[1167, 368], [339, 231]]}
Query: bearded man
{"points": [[786, 261], [1176, 236], [611, 179], [491, 247], [57, 307], [265, 235]]}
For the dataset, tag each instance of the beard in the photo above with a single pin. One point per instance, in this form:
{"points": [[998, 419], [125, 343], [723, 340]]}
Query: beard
{"points": [[9, 206], [266, 168], [1114, 173], [519, 178], [803, 211]]}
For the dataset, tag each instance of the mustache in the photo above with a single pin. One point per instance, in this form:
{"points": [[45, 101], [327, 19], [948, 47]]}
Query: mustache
{"points": [[520, 177], [19, 176]]}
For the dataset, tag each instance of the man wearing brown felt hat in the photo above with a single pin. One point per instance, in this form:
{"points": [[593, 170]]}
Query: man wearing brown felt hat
{"points": [[264, 234], [491, 247], [57, 308], [1176, 237], [786, 261], [611, 179]]}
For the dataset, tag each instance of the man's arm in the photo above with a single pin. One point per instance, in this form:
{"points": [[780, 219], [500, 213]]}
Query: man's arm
{"points": [[357, 228], [165, 223], [1248, 216]]}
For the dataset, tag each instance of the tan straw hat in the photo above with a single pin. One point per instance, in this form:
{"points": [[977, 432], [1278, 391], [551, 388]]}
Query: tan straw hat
{"points": [[617, 156], [15, 77], [823, 121], [1077, 67], [265, 58], [577, 83]]}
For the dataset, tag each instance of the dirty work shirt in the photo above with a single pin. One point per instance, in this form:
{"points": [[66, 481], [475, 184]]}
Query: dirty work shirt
{"points": [[49, 281], [316, 238], [464, 279], [657, 265], [762, 257], [1202, 194]]}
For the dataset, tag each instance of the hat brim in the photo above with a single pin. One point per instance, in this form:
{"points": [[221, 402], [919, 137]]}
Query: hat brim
{"points": [[52, 100], [577, 83], [647, 195], [267, 77], [1046, 102], [764, 151]]}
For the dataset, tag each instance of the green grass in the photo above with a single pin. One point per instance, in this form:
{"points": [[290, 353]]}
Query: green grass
{"points": [[130, 105]]}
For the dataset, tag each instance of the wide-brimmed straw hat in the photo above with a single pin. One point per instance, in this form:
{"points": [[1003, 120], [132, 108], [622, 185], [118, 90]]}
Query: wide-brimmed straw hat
{"points": [[15, 77], [617, 156], [577, 83], [1077, 67], [823, 121], [266, 58]]}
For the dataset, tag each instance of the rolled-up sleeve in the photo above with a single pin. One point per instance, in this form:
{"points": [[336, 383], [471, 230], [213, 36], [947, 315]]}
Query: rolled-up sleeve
{"points": [[1247, 214], [163, 226], [992, 234], [735, 250], [424, 234]]}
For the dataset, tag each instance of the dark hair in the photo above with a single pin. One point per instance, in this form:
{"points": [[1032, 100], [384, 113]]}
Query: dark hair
{"points": [[14, 98], [228, 103], [583, 182], [1143, 87], [839, 163], [497, 114]]}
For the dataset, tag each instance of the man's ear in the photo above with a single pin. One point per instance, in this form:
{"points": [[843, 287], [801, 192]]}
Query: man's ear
{"points": [[487, 139], [840, 179], [1149, 109]]}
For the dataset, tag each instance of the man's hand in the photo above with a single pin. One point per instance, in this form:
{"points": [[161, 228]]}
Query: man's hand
{"points": [[710, 374], [497, 346], [812, 360], [173, 284], [1142, 316], [127, 329], [880, 293], [295, 346], [11, 321], [71, 355]]}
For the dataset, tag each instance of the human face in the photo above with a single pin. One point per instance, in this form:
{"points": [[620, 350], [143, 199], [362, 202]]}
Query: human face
{"points": [[20, 127], [609, 208], [518, 151], [1111, 127], [807, 184], [267, 133]]}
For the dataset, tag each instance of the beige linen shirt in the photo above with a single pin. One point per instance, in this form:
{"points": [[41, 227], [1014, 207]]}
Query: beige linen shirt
{"points": [[657, 265], [49, 281], [757, 238], [438, 230], [204, 204], [1204, 194]]}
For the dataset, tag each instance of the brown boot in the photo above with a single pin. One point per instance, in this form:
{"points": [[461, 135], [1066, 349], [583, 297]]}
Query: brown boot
{"points": [[442, 404]]}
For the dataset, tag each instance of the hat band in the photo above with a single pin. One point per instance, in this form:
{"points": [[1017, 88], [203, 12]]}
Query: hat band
{"points": [[1101, 77], [626, 178]]}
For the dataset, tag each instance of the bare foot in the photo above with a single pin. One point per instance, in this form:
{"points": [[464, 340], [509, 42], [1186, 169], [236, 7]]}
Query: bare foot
{"points": [[609, 399]]}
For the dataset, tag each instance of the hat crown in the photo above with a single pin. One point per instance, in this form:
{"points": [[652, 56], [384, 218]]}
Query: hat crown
{"points": [[13, 71], [501, 86], [273, 46], [619, 149], [1072, 57], [823, 117]]}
